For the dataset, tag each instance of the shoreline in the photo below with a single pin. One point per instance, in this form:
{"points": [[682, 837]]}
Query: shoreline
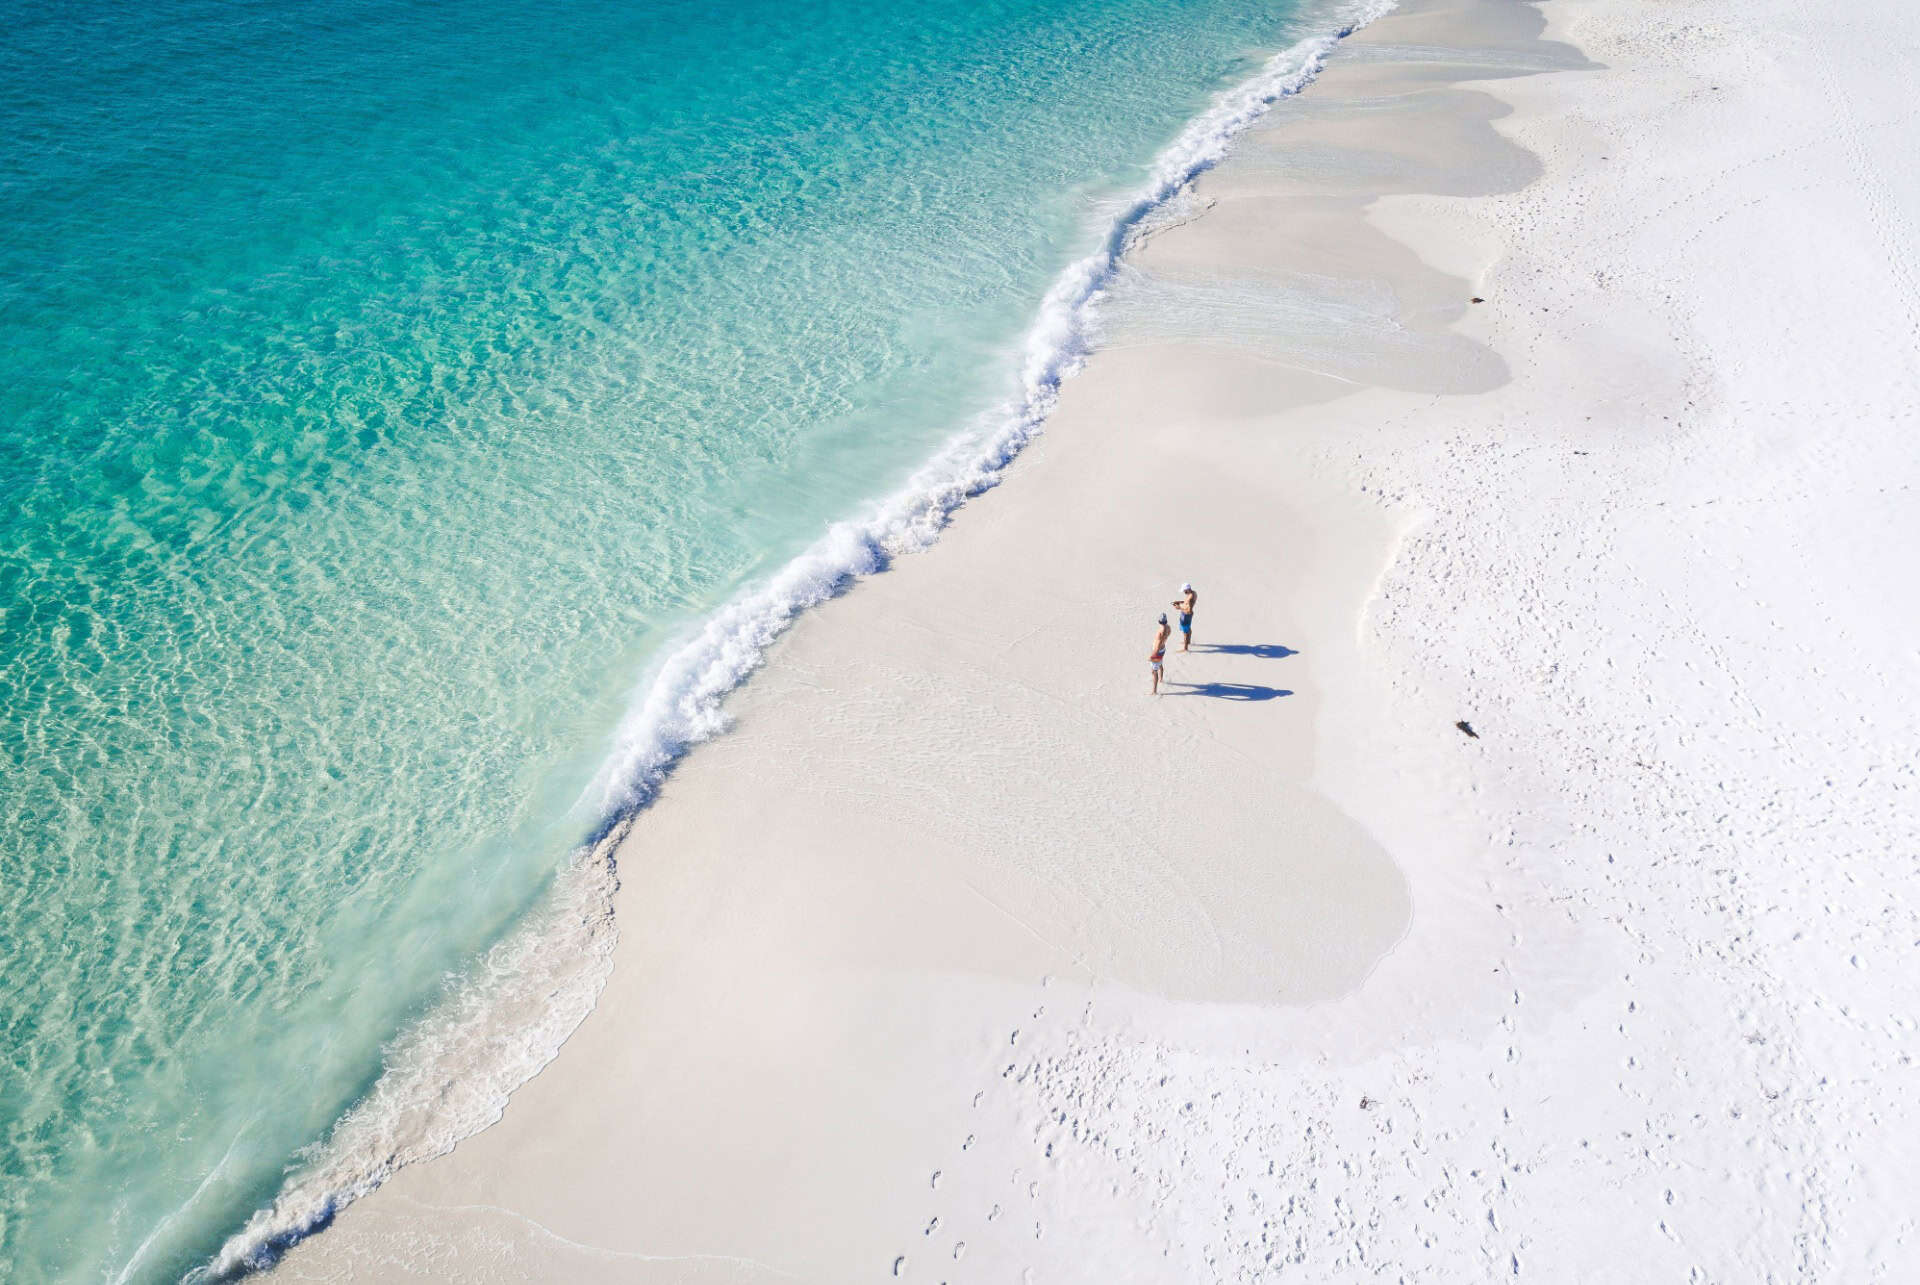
{"points": [[956, 955], [547, 974]]}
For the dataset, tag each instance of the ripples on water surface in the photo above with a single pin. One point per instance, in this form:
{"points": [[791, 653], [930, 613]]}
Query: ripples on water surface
{"points": [[380, 383]]}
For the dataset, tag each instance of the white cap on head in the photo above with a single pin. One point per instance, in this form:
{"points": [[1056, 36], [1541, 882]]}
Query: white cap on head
{"points": [[1187, 587]]}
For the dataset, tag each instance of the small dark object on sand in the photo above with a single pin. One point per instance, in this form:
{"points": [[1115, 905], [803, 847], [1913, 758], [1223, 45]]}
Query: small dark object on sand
{"points": [[1476, 299], [1366, 1104], [1467, 727]]}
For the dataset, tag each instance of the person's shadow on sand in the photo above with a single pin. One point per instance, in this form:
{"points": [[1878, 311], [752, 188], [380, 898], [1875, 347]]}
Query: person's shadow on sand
{"points": [[1263, 651], [1228, 691]]}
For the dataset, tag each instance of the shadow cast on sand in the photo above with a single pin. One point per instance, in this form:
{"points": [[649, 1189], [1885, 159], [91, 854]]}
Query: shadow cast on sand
{"points": [[1264, 651], [1228, 691]]}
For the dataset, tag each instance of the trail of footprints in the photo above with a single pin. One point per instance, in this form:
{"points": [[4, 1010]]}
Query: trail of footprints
{"points": [[941, 1252], [1279, 1188]]}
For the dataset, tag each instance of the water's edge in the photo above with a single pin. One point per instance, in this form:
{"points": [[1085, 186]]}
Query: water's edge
{"points": [[451, 1074]]}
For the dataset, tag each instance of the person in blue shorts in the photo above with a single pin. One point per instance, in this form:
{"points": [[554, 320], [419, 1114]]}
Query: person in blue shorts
{"points": [[1186, 602]]}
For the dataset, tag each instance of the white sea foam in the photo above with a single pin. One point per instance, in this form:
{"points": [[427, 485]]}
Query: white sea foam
{"points": [[680, 705], [451, 1075]]}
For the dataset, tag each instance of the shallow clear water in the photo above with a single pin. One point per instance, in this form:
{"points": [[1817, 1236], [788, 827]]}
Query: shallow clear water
{"points": [[381, 386]]}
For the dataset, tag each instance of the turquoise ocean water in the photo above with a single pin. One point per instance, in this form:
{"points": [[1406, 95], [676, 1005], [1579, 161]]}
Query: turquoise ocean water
{"points": [[412, 416]]}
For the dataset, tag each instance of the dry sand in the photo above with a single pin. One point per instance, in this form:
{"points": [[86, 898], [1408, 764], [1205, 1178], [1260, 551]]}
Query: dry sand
{"points": [[962, 958]]}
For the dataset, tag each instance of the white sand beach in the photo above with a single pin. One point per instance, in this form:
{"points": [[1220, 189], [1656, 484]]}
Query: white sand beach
{"points": [[1544, 368]]}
